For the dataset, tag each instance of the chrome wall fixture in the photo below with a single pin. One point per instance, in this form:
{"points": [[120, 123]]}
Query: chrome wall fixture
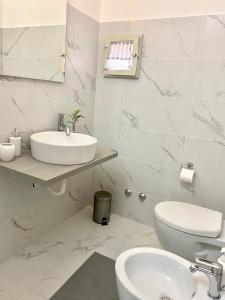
{"points": [[189, 165], [128, 193], [141, 196]]}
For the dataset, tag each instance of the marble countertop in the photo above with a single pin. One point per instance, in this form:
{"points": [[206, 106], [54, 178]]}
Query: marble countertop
{"points": [[46, 174]]}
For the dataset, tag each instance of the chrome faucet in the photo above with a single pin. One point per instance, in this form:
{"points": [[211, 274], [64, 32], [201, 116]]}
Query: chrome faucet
{"points": [[61, 124], [213, 271], [67, 130]]}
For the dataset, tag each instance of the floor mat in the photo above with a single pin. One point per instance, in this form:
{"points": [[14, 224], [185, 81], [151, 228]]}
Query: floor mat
{"points": [[94, 280]]}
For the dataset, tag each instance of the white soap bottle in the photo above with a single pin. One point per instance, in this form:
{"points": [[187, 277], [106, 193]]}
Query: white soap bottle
{"points": [[16, 140], [221, 260]]}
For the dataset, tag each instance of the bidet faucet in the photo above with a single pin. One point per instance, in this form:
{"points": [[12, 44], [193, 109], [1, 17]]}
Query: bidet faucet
{"points": [[61, 124], [213, 271]]}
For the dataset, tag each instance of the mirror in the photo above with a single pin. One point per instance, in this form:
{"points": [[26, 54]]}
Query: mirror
{"points": [[33, 38]]}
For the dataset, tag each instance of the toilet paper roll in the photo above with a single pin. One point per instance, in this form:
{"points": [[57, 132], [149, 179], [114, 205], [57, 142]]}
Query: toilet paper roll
{"points": [[186, 176]]}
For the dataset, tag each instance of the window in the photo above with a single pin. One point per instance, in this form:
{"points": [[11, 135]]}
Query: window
{"points": [[122, 56]]}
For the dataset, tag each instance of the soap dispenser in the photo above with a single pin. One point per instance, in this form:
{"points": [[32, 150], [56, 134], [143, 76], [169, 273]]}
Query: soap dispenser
{"points": [[221, 260], [16, 140]]}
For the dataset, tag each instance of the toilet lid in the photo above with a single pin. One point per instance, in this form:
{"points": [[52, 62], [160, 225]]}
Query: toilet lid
{"points": [[190, 218]]}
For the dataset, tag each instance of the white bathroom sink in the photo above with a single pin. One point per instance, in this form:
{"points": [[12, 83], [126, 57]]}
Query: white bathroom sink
{"points": [[55, 147], [154, 274]]}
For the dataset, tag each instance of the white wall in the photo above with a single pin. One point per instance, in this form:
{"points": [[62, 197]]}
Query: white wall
{"points": [[114, 10], [19, 13], [1, 12], [91, 8]]}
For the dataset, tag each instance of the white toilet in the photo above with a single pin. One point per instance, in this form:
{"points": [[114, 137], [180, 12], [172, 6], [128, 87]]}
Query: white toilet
{"points": [[190, 230]]}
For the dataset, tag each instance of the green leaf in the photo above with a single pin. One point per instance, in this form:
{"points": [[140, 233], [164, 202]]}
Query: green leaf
{"points": [[75, 116]]}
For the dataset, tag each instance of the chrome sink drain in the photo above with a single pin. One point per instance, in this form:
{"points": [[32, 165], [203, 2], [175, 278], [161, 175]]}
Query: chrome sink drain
{"points": [[165, 298]]}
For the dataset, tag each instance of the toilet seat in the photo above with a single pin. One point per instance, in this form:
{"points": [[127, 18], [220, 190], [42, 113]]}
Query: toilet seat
{"points": [[190, 218]]}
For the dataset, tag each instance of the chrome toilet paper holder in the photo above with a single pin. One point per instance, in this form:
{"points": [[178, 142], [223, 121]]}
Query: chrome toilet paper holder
{"points": [[189, 165]]}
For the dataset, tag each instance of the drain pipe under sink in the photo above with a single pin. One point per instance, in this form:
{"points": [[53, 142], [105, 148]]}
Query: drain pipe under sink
{"points": [[55, 193], [61, 190]]}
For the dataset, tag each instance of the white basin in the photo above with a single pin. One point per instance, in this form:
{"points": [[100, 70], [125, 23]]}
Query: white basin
{"points": [[154, 274], [55, 147]]}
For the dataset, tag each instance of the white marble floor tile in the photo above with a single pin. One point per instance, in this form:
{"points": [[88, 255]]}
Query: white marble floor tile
{"points": [[42, 268]]}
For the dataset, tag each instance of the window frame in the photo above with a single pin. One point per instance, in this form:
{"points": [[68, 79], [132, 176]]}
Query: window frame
{"points": [[134, 72]]}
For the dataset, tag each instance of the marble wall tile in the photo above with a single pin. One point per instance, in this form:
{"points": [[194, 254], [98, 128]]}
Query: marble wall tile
{"points": [[75, 69], [134, 209], [51, 213], [152, 147], [79, 189], [165, 114], [77, 29], [80, 70], [213, 45], [15, 234], [206, 191], [81, 58], [120, 174], [108, 136], [88, 121], [148, 178], [108, 108], [16, 195], [55, 100], [81, 50], [211, 80], [170, 38], [93, 32], [16, 106], [207, 156], [57, 209], [172, 78], [207, 120], [104, 177], [91, 72], [167, 38]]}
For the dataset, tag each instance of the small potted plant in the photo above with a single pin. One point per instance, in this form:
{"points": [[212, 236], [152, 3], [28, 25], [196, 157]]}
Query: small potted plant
{"points": [[75, 116]]}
